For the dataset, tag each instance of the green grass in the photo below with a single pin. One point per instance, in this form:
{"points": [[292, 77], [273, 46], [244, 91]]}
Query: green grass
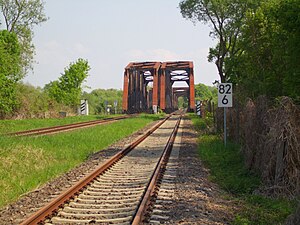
{"points": [[256, 209], [27, 162], [226, 165], [201, 125], [227, 170], [7, 126]]}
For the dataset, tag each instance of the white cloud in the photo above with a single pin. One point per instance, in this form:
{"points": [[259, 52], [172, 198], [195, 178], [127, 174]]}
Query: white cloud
{"points": [[55, 56], [53, 51], [81, 48], [152, 55], [50, 53]]}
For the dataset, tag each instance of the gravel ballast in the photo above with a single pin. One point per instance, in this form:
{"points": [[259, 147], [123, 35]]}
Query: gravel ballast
{"points": [[196, 199]]}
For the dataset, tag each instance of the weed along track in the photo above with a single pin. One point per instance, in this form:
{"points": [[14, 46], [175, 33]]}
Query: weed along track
{"points": [[67, 127], [120, 190]]}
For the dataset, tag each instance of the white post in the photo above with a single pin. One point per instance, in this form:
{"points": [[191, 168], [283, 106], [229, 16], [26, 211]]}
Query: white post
{"points": [[87, 107], [84, 107], [225, 130], [225, 100]]}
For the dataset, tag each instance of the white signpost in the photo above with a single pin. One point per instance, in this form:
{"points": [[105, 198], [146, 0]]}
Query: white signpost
{"points": [[225, 100], [115, 105], [225, 95], [84, 107], [198, 108]]}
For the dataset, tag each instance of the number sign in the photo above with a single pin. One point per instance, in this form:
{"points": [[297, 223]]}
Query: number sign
{"points": [[225, 95]]}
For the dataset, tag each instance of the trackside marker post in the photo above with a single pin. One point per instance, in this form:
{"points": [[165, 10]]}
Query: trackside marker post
{"points": [[198, 108], [225, 100], [84, 107]]}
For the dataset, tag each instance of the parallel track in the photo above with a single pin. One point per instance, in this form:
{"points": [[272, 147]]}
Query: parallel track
{"points": [[67, 127], [119, 191]]}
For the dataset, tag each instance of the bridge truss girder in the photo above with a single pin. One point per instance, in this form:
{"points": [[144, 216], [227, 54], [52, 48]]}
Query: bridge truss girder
{"points": [[137, 76], [172, 72]]}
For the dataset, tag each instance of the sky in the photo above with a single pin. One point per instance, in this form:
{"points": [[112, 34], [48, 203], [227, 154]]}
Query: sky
{"points": [[110, 34]]}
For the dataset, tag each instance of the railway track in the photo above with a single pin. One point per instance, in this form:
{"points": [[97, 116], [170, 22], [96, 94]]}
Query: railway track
{"points": [[67, 127], [120, 190]]}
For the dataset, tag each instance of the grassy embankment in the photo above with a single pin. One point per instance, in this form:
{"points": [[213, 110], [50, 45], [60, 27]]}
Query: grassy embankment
{"points": [[7, 126], [228, 171], [28, 162]]}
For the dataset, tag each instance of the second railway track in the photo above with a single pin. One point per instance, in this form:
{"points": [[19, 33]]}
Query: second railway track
{"points": [[118, 192], [67, 127]]}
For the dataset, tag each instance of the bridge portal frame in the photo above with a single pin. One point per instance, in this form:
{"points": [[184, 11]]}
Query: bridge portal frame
{"points": [[137, 76], [169, 77]]}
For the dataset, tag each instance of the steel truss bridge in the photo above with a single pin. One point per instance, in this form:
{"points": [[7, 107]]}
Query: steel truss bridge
{"points": [[153, 86]]}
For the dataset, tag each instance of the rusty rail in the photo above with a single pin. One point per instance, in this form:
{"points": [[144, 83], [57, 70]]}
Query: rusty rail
{"points": [[54, 129], [139, 216], [54, 205]]}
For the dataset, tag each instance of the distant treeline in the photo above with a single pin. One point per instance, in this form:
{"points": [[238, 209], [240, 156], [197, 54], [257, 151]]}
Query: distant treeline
{"points": [[100, 98], [37, 102]]}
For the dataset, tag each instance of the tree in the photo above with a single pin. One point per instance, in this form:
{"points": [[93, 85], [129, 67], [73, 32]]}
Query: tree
{"points": [[289, 20], [225, 18], [183, 102], [34, 102], [68, 88], [98, 97], [9, 71], [270, 63], [20, 16]]}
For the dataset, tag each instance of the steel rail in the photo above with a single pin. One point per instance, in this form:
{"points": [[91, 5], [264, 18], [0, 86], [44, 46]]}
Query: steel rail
{"points": [[55, 204], [140, 214], [65, 127]]}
